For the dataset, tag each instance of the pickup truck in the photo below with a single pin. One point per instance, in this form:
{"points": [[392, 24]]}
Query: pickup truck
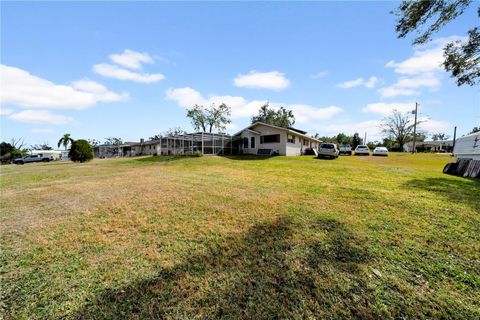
{"points": [[345, 149], [32, 158]]}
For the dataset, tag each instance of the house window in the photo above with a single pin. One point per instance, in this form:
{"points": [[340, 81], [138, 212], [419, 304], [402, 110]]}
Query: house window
{"points": [[290, 138], [305, 142], [245, 143], [272, 138], [252, 142]]}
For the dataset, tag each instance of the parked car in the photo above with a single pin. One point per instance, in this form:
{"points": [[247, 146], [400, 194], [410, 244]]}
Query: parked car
{"points": [[328, 150], [380, 151], [32, 158], [362, 150], [345, 149]]}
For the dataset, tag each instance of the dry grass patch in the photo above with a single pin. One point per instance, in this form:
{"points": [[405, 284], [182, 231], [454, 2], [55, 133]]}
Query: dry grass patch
{"points": [[240, 237]]}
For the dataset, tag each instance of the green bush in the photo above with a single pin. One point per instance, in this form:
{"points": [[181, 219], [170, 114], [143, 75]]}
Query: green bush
{"points": [[198, 153], [81, 151]]}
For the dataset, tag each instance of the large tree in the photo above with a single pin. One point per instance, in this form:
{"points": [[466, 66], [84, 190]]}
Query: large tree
{"points": [[44, 146], [175, 131], [356, 140], [81, 151], [440, 136], [114, 141], [426, 17], [206, 119], [399, 127], [280, 118], [65, 140]]}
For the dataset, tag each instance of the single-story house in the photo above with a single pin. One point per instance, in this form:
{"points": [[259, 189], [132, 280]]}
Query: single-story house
{"points": [[430, 146], [146, 148], [113, 151], [265, 139]]}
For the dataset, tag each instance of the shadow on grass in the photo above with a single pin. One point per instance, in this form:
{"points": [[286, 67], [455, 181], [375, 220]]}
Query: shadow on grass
{"points": [[463, 190], [262, 274]]}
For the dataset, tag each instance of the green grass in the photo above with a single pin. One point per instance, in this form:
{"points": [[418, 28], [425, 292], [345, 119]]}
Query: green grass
{"points": [[240, 237]]}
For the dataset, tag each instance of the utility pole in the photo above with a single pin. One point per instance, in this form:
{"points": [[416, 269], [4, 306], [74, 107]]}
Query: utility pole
{"points": [[415, 128], [454, 137], [365, 138]]}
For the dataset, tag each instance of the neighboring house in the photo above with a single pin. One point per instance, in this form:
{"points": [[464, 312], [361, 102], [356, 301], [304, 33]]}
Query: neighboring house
{"points": [[266, 139], [430, 146], [113, 151], [143, 148]]}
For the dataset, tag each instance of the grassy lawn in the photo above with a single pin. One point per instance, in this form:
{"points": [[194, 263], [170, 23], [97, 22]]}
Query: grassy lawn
{"points": [[219, 237]]}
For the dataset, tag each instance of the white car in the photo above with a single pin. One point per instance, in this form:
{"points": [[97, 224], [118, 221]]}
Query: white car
{"points": [[380, 151], [362, 150], [329, 150]]}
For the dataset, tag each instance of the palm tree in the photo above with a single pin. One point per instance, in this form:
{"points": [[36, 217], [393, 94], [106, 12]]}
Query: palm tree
{"points": [[65, 140]]}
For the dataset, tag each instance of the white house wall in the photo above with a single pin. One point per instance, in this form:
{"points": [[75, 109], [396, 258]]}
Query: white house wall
{"points": [[278, 147], [283, 147]]}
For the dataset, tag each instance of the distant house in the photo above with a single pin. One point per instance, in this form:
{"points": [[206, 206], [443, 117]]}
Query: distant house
{"points": [[430, 146], [113, 151], [265, 139], [143, 148]]}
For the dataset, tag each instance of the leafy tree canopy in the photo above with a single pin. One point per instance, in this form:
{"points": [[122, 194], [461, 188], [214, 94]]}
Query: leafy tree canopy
{"points": [[81, 151], [426, 17], [114, 141], [440, 136], [169, 133], [44, 146], [399, 127], [65, 140], [206, 119], [356, 140], [280, 118], [94, 142]]}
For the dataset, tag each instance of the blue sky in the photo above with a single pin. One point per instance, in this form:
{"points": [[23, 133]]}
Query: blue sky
{"points": [[129, 70]]}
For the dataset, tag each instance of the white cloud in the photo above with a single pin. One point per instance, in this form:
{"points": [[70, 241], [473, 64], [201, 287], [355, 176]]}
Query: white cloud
{"points": [[319, 75], [422, 70], [131, 59], [5, 112], [19, 87], [394, 91], [368, 83], [272, 80], [113, 71], [407, 86], [186, 97], [422, 61], [387, 108], [40, 117], [351, 83], [371, 82], [242, 108], [41, 130], [304, 113], [99, 91], [431, 125]]}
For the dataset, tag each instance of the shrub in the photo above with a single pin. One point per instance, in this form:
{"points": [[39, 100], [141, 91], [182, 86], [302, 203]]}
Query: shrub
{"points": [[198, 153], [81, 151]]}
